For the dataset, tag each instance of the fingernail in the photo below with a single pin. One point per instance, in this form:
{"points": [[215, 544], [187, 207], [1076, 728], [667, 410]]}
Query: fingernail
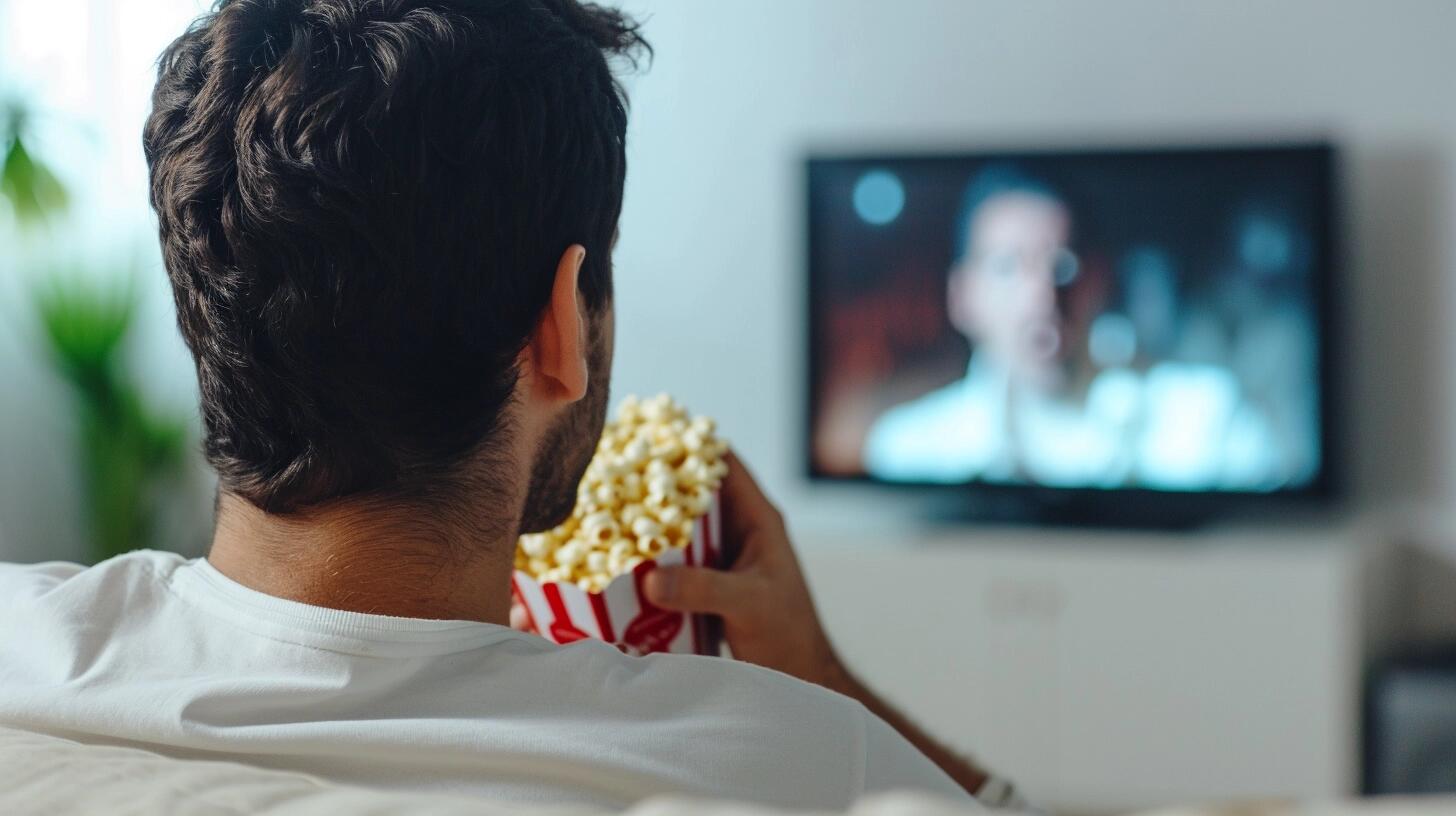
{"points": [[662, 584]]}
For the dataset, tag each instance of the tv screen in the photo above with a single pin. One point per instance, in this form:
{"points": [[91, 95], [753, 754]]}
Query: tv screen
{"points": [[1149, 320]]}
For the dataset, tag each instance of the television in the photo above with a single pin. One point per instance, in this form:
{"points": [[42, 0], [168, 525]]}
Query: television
{"points": [[1123, 336]]}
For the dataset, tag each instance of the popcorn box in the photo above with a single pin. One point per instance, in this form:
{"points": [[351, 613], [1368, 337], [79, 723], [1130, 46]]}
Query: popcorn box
{"points": [[620, 614]]}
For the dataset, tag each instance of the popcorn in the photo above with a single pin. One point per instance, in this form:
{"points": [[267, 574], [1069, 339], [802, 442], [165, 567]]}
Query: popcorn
{"points": [[649, 496], [655, 470]]}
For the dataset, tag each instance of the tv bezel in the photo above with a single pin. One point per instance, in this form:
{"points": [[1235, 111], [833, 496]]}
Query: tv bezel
{"points": [[981, 500]]}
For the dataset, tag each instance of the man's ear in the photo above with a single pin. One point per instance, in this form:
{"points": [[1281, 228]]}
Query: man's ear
{"points": [[557, 353]]}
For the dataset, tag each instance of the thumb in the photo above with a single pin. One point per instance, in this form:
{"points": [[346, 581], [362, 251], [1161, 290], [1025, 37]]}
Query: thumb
{"points": [[694, 589]]}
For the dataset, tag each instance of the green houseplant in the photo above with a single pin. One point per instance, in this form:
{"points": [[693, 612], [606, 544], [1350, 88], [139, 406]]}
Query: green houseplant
{"points": [[127, 451]]}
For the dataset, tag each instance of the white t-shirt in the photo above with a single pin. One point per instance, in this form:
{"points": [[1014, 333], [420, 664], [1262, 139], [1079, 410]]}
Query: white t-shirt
{"points": [[152, 650]]}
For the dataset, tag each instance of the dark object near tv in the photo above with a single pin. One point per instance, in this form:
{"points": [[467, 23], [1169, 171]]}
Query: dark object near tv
{"points": [[1410, 724]]}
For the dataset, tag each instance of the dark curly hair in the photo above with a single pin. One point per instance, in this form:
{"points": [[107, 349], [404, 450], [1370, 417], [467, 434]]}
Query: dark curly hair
{"points": [[362, 204]]}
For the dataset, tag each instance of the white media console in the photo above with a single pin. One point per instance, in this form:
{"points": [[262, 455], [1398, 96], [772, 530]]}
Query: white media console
{"points": [[1114, 671]]}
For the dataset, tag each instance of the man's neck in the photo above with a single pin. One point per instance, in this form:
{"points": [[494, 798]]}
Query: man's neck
{"points": [[383, 560]]}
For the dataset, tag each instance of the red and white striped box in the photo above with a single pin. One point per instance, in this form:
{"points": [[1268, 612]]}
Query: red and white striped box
{"points": [[563, 612]]}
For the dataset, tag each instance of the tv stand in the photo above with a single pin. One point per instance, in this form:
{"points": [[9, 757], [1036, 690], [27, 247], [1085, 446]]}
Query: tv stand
{"points": [[1112, 670]]}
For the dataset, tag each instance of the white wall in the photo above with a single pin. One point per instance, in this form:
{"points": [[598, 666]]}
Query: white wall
{"points": [[710, 250]]}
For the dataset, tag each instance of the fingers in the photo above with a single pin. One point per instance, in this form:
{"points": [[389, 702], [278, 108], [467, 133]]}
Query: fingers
{"points": [[745, 506], [521, 619], [697, 589]]}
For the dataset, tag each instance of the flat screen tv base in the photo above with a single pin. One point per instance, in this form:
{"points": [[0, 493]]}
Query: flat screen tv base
{"points": [[1109, 510]]}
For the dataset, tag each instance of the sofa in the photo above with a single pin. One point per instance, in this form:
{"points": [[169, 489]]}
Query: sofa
{"points": [[48, 775]]}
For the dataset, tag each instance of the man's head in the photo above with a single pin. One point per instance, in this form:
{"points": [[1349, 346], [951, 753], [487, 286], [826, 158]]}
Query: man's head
{"points": [[1014, 263], [388, 226]]}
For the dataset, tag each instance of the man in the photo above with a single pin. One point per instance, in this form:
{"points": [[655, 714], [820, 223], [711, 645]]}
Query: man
{"points": [[388, 229], [1037, 404]]}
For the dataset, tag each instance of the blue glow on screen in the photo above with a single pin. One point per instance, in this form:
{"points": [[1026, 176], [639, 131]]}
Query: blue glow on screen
{"points": [[879, 197]]}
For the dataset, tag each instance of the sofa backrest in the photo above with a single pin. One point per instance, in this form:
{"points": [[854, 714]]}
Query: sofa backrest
{"points": [[43, 774]]}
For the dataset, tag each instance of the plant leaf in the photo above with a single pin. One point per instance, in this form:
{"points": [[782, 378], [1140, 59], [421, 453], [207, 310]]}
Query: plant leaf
{"points": [[33, 190]]}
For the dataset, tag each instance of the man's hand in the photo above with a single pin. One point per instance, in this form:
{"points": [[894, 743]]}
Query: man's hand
{"points": [[520, 618], [768, 616]]}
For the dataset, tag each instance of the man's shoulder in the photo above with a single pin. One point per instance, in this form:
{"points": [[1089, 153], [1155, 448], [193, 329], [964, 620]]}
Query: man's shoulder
{"points": [[710, 687], [68, 582], [27, 581], [756, 724]]}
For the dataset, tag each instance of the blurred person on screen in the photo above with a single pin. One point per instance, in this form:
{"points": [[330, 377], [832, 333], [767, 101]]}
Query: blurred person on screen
{"points": [[1038, 402]]}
